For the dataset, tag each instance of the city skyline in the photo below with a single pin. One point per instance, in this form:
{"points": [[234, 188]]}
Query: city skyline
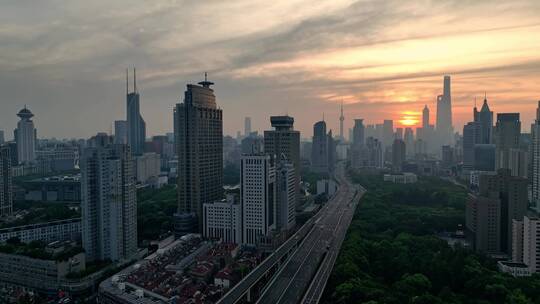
{"points": [[302, 65]]}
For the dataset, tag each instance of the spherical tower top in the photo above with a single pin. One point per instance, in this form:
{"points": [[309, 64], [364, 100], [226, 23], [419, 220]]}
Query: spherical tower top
{"points": [[25, 113]]}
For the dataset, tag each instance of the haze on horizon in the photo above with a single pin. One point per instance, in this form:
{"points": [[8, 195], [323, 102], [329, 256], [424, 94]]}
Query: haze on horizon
{"points": [[385, 59]]}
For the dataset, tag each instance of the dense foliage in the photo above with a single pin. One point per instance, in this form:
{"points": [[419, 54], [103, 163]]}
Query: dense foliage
{"points": [[392, 255], [155, 210], [42, 212]]}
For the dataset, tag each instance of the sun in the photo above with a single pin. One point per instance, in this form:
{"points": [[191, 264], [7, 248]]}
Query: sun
{"points": [[409, 119]]}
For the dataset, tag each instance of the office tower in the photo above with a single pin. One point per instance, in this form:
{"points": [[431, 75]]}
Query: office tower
{"points": [[399, 133], [425, 117], [471, 137], [120, 132], [485, 119], [331, 148], [484, 157], [483, 222], [351, 134], [305, 151], [2, 138], [136, 127], [341, 121], [285, 141], [526, 245], [447, 156], [518, 162], [258, 195], [109, 203], [444, 114], [223, 220], [286, 195], [6, 190], [253, 143], [148, 168], [535, 158], [507, 135], [513, 196], [358, 133], [398, 155], [319, 150], [387, 133], [408, 137], [199, 146], [25, 137], [247, 126]]}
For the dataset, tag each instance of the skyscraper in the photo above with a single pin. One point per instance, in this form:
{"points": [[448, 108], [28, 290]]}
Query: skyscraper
{"points": [[25, 137], [425, 117], [6, 190], [136, 127], [120, 132], [471, 137], [286, 195], [319, 150], [535, 151], [285, 141], [408, 137], [341, 121], [109, 202], [507, 135], [358, 133], [247, 126], [388, 133], [485, 119], [444, 114], [258, 195], [2, 138], [199, 146]]}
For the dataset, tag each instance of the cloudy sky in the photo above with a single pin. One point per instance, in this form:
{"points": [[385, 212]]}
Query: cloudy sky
{"points": [[66, 59]]}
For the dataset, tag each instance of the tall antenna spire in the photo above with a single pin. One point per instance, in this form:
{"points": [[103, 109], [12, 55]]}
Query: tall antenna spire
{"points": [[205, 76], [134, 80], [485, 96], [474, 101], [127, 81]]}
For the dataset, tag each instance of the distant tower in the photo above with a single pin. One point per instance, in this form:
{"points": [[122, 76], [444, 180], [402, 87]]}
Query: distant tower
{"points": [[444, 114], [136, 127], [25, 136], [341, 120], [199, 146], [485, 119], [535, 150], [319, 150], [425, 117], [247, 126]]}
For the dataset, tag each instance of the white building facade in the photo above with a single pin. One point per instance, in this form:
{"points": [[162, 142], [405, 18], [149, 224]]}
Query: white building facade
{"points": [[223, 220], [258, 195]]}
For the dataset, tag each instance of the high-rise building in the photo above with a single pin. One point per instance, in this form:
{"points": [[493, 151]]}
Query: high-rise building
{"points": [[507, 135], [484, 157], [247, 126], [444, 114], [319, 149], [398, 155], [332, 152], [25, 137], [526, 245], [535, 157], [109, 203], [425, 117], [223, 220], [341, 121], [485, 119], [368, 156], [448, 156], [2, 138], [513, 195], [286, 195], [358, 133], [285, 141], [518, 162], [388, 133], [136, 127], [408, 137], [6, 190], [258, 195], [252, 143], [399, 133], [483, 222], [120, 132], [199, 147], [471, 137]]}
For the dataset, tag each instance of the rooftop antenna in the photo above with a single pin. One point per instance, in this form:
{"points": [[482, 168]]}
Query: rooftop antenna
{"points": [[134, 80], [127, 81], [205, 76], [485, 96], [323, 116], [474, 101]]}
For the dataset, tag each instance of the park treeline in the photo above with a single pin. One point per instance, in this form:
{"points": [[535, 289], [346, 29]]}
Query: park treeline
{"points": [[392, 252]]}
